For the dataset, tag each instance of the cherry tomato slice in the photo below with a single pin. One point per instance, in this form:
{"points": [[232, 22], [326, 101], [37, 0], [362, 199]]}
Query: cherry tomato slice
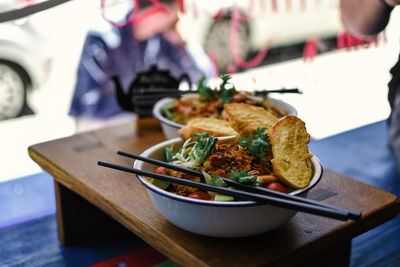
{"points": [[160, 170], [199, 195], [277, 187]]}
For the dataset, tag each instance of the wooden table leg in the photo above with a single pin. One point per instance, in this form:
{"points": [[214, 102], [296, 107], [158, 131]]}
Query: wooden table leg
{"points": [[336, 255], [79, 220]]}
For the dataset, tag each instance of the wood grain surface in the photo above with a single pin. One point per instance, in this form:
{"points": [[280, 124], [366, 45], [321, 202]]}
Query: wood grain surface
{"points": [[73, 163]]}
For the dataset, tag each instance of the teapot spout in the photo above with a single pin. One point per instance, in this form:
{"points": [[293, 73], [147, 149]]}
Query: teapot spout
{"points": [[123, 99]]}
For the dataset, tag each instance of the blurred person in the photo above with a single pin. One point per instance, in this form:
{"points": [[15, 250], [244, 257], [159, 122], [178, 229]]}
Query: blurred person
{"points": [[125, 50], [367, 18]]}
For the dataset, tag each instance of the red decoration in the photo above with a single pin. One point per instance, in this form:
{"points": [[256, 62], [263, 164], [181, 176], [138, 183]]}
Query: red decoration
{"points": [[348, 41], [144, 257], [310, 49], [27, 2], [234, 44], [182, 6], [274, 5]]}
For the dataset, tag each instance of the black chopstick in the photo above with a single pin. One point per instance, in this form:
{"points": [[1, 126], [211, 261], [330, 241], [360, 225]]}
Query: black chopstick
{"points": [[280, 91], [161, 163], [138, 98], [174, 92], [279, 202], [354, 215]]}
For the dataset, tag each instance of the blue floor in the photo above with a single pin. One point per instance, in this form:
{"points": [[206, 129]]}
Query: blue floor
{"points": [[364, 155], [26, 198], [35, 243], [28, 230]]}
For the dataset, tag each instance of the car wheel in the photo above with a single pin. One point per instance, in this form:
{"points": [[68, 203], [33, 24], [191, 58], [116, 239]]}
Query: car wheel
{"points": [[12, 91], [218, 44]]}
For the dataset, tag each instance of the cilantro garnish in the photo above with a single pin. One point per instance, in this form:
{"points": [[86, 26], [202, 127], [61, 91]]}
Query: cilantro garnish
{"points": [[243, 177], [193, 153], [258, 145], [225, 94], [203, 145], [214, 179], [203, 90]]}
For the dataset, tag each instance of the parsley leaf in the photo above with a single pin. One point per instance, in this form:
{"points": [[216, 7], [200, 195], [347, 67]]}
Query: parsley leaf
{"points": [[214, 179], [243, 177], [260, 133], [203, 145], [225, 94], [258, 146], [203, 90]]}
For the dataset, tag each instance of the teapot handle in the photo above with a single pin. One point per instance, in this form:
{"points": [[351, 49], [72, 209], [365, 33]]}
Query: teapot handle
{"points": [[186, 77]]}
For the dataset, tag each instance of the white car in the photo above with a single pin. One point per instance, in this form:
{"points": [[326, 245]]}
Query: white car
{"points": [[282, 23], [25, 63]]}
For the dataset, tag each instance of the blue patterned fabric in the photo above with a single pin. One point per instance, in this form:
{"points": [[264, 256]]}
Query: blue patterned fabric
{"points": [[109, 51]]}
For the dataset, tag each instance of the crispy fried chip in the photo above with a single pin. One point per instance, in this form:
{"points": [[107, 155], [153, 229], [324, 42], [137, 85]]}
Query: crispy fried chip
{"points": [[212, 126], [245, 118]]}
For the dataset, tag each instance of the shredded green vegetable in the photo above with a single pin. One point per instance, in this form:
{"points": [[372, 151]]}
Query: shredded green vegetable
{"points": [[193, 153]]}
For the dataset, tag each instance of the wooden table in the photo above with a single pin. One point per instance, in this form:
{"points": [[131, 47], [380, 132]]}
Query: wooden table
{"points": [[93, 200]]}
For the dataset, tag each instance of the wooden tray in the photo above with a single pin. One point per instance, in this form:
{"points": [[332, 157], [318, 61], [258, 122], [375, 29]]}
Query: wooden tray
{"points": [[81, 186]]}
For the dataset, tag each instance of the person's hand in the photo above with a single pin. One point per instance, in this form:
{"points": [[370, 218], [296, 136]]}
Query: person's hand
{"points": [[173, 37], [161, 22]]}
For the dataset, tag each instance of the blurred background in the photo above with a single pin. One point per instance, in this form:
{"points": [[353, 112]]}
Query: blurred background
{"points": [[292, 44]]}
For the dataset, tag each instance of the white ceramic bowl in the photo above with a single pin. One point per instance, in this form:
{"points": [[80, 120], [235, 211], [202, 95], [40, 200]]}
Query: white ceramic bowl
{"points": [[171, 128], [212, 218]]}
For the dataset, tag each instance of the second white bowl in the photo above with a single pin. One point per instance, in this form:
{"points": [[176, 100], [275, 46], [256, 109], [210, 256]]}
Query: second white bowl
{"points": [[170, 128]]}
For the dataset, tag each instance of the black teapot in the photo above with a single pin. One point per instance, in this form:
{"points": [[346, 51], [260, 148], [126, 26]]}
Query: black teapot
{"points": [[147, 88]]}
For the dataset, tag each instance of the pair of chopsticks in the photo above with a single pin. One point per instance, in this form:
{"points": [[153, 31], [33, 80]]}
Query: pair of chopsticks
{"points": [[151, 93], [246, 192]]}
